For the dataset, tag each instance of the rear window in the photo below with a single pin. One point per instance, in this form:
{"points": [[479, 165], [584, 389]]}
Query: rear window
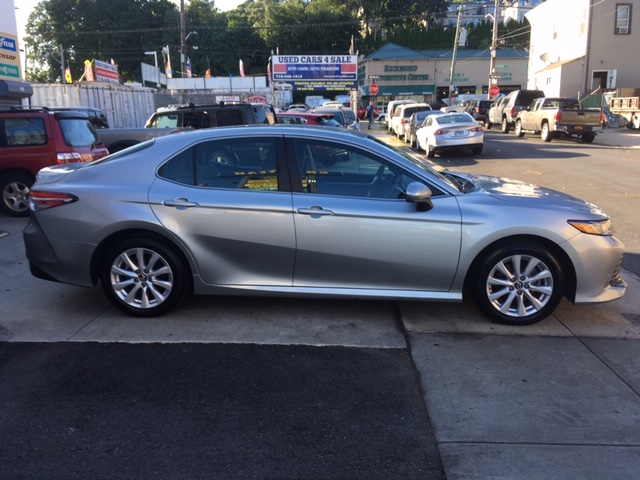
{"points": [[230, 116], [78, 132], [527, 96]]}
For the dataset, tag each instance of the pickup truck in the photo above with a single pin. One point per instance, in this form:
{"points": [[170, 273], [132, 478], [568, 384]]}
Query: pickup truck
{"points": [[554, 117], [168, 120], [116, 139]]}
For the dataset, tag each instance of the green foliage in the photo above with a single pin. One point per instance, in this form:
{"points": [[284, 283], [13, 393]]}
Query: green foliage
{"points": [[123, 30]]}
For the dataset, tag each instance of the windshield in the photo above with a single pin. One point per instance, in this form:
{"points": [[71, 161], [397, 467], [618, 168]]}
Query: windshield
{"points": [[78, 132]]}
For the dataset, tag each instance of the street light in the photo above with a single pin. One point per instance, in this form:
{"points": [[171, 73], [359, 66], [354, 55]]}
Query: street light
{"points": [[155, 57]]}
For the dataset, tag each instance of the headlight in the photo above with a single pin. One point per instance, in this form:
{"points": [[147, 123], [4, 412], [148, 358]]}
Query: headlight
{"points": [[601, 227]]}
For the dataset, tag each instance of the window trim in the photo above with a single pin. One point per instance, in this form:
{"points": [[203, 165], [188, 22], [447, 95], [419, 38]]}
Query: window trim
{"points": [[617, 28]]}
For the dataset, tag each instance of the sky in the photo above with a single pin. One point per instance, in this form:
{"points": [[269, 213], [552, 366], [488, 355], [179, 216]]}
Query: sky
{"points": [[24, 8]]}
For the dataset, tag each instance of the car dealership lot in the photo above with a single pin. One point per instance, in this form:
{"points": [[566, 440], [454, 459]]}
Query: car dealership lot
{"points": [[501, 400]]}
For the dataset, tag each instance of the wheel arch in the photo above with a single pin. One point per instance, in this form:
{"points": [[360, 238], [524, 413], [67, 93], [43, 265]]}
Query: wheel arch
{"points": [[560, 255], [108, 242]]}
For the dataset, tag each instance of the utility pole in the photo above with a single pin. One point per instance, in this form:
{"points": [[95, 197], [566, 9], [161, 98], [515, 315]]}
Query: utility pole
{"points": [[493, 79], [455, 52], [183, 42], [62, 63]]}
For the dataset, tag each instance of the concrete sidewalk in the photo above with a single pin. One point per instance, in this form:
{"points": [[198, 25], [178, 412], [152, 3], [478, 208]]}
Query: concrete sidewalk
{"points": [[618, 137]]}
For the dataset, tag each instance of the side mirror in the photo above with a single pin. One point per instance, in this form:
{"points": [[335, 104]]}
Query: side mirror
{"points": [[419, 194]]}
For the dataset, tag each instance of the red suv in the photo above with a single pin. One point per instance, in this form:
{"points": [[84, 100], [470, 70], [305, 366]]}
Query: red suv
{"points": [[32, 138]]}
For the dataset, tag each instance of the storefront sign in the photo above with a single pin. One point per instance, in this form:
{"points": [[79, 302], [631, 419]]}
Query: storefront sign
{"points": [[9, 58]]}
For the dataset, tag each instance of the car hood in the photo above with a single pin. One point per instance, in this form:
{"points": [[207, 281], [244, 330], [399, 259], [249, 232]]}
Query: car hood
{"points": [[515, 191]]}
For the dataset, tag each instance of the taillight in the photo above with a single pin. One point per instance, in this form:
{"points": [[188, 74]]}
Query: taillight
{"points": [[558, 116], [68, 157], [513, 112], [475, 129], [39, 200], [441, 132], [402, 121]]}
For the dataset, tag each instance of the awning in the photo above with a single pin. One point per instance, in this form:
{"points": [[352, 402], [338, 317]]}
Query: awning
{"points": [[392, 90], [15, 89]]}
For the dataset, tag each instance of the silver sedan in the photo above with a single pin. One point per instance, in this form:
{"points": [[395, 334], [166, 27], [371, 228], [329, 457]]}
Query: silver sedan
{"points": [[301, 211], [450, 131]]}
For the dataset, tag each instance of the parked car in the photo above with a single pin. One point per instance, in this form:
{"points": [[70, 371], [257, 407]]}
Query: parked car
{"points": [[506, 109], [449, 131], [415, 122], [479, 109], [362, 113], [169, 120], [297, 107], [96, 116], [391, 106], [300, 118], [32, 138], [402, 114], [247, 210], [558, 116], [345, 116]]}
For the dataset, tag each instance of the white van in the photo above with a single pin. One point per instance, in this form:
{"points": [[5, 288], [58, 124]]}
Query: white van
{"points": [[391, 106]]}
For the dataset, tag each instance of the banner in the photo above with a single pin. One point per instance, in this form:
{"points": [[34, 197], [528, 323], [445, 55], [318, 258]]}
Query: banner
{"points": [[67, 75], [188, 68], [316, 72], [241, 69], [9, 57], [106, 72], [88, 71]]}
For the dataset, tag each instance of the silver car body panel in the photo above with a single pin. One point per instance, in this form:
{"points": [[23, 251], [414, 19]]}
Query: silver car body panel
{"points": [[300, 244]]}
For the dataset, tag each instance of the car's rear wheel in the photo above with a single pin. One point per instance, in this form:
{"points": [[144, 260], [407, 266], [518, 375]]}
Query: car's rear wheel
{"points": [[144, 277], [488, 124], [519, 131], [545, 133], [588, 137], [518, 284], [15, 189], [504, 126], [476, 150]]}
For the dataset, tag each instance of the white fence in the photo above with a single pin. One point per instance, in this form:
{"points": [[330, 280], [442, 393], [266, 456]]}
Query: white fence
{"points": [[126, 106]]}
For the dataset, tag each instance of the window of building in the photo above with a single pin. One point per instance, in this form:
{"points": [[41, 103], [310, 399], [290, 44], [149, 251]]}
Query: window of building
{"points": [[623, 19]]}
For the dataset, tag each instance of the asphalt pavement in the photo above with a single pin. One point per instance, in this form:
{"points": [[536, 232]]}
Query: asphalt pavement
{"points": [[313, 389]]}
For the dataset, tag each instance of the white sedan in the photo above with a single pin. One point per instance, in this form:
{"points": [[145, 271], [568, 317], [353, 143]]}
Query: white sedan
{"points": [[448, 131]]}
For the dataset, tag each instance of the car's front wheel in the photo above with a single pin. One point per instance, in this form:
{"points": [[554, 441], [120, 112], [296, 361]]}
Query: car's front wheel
{"points": [[144, 277], [518, 284]]}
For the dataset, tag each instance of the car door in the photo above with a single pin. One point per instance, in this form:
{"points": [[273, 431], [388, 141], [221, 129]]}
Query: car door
{"points": [[355, 230], [230, 202]]}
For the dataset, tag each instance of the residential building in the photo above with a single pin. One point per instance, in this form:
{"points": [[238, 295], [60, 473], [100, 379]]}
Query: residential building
{"points": [[580, 46]]}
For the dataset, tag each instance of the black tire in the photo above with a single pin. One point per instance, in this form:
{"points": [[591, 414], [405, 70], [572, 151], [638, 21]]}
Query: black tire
{"points": [[431, 153], [588, 137], [489, 125], [545, 133], [15, 188], [160, 287], [476, 150], [504, 126], [519, 131], [529, 295]]}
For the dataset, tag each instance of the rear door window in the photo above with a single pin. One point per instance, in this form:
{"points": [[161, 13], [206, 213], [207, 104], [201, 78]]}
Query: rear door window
{"points": [[25, 131]]}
